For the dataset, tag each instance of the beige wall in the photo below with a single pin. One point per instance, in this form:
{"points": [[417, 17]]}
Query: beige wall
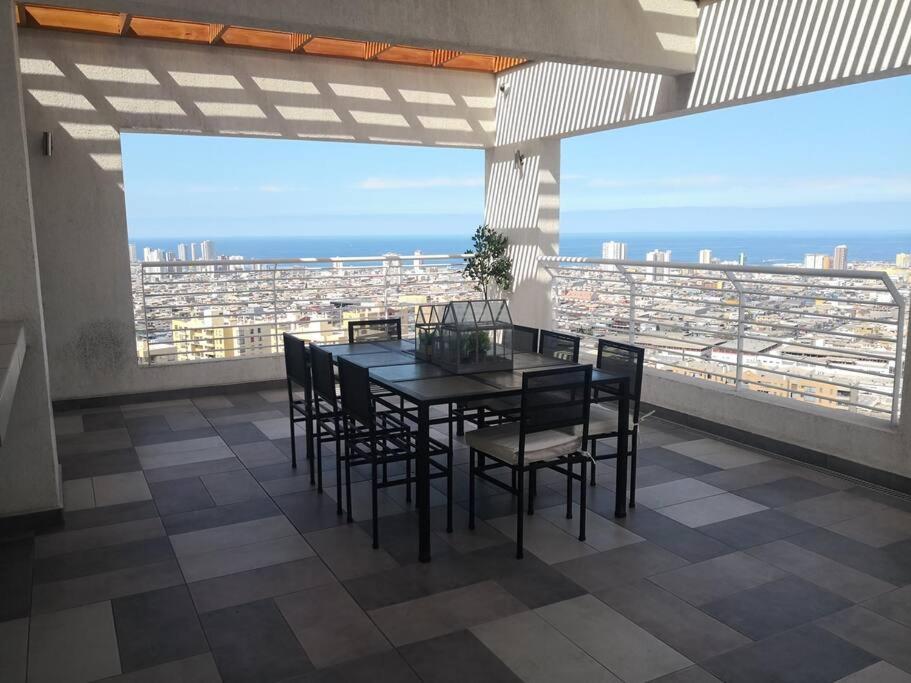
{"points": [[86, 89]]}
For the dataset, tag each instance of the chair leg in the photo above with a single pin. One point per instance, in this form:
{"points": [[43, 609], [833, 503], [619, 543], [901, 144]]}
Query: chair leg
{"points": [[293, 440], [375, 506], [582, 494], [449, 467], [632, 468], [319, 455], [348, 481], [408, 480], [471, 459], [532, 489], [460, 421], [569, 489], [594, 458], [309, 440], [520, 518]]}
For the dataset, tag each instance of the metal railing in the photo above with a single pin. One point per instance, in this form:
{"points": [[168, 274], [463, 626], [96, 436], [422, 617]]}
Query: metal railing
{"points": [[189, 311], [832, 338]]}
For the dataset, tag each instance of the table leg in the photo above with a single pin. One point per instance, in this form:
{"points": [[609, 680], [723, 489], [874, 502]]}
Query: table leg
{"points": [[422, 485], [622, 450]]}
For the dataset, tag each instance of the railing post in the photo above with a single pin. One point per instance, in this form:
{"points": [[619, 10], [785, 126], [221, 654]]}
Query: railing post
{"points": [[274, 345], [145, 313], [738, 381], [632, 301]]}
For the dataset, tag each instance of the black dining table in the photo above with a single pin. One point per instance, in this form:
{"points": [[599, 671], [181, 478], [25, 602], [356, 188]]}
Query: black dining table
{"points": [[394, 367]]}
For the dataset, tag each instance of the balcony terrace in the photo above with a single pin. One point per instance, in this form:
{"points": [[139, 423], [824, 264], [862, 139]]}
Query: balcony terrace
{"points": [[152, 527]]}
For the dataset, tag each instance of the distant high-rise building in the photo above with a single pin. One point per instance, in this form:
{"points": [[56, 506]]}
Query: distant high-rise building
{"points": [[613, 250], [417, 262], [181, 252], [743, 258], [819, 261], [208, 250], [658, 256], [840, 258], [194, 252], [903, 260], [705, 256], [132, 253], [147, 254]]}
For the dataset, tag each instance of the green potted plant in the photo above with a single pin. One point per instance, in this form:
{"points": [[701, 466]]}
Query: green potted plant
{"points": [[489, 265]]}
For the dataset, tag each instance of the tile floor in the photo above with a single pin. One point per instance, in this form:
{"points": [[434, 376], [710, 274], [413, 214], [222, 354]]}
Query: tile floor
{"points": [[191, 551]]}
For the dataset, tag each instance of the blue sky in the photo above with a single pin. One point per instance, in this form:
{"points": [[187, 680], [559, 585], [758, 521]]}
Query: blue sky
{"points": [[838, 159]]}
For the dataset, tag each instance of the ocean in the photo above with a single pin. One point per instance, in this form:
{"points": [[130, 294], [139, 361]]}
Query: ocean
{"points": [[769, 249]]}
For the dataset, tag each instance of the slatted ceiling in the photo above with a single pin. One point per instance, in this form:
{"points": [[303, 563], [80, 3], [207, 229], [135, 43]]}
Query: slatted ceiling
{"points": [[116, 24], [335, 47], [257, 38], [71, 19], [169, 29], [399, 54]]}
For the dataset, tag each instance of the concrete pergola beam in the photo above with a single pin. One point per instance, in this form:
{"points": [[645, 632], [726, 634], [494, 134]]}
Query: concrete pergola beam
{"points": [[648, 35]]}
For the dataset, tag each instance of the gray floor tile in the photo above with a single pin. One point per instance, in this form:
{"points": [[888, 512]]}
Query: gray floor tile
{"points": [[157, 627], [888, 564], [112, 514], [14, 649], [198, 669], [710, 510], [444, 612], [784, 491], [185, 457], [750, 475], [807, 654], [232, 535], [330, 626], [673, 492], [114, 489], [212, 402], [309, 510], [348, 552], [16, 575], [57, 595], [261, 453], [673, 536], [600, 533], [179, 422], [99, 464], [877, 635], [895, 605], [829, 574], [194, 469], [97, 537], [232, 487], [538, 653], [180, 495], [676, 462], [755, 529], [165, 435], [254, 643], [881, 672], [694, 674], [200, 566], [106, 559], [774, 607], [78, 494], [66, 424], [627, 564], [631, 653], [257, 584], [73, 645], [682, 626], [878, 529], [240, 433], [547, 541], [93, 422], [455, 658], [716, 578], [717, 453], [93, 442], [386, 667], [181, 446], [832, 508], [219, 516]]}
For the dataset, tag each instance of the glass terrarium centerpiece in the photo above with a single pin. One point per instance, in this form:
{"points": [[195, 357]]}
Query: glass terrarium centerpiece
{"points": [[473, 336], [426, 329]]}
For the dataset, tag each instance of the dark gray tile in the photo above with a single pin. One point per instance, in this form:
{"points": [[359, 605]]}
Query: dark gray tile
{"points": [[387, 667], [621, 565], [232, 487], [675, 462], [775, 606], [784, 491], [157, 627], [755, 529], [193, 469], [16, 578], [243, 432], [309, 510], [717, 578], [694, 674], [688, 543], [146, 424], [168, 436], [110, 514], [877, 635], [92, 422], [99, 464], [807, 654], [253, 642], [99, 560], [895, 605], [892, 563], [682, 626], [180, 495], [219, 516], [455, 658]]}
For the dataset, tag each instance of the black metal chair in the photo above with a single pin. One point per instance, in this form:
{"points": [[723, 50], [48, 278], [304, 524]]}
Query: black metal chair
{"points": [[297, 374], [559, 345], [381, 437], [327, 416], [618, 358], [366, 331], [524, 339], [551, 431]]}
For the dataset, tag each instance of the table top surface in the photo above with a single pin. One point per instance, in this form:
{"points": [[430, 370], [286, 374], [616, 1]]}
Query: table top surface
{"points": [[393, 366]]}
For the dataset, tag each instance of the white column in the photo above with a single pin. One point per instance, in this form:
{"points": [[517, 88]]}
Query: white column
{"points": [[523, 202], [29, 478]]}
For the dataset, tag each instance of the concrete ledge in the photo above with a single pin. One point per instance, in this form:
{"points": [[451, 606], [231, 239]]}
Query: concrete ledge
{"points": [[12, 354]]}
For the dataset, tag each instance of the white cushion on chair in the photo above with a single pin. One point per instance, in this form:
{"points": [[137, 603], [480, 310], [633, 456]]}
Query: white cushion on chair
{"points": [[502, 443], [602, 421]]}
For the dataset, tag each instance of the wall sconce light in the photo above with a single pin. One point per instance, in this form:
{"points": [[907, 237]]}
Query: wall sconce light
{"points": [[504, 88], [47, 143], [519, 160]]}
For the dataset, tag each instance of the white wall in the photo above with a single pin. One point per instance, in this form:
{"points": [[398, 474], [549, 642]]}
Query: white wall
{"points": [[86, 89], [29, 477]]}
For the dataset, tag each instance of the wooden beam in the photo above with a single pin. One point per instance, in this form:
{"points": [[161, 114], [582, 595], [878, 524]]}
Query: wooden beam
{"points": [[440, 57], [374, 49], [216, 31], [299, 41], [125, 19]]}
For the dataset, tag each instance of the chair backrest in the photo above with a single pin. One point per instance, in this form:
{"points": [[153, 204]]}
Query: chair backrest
{"points": [[323, 373], [559, 345], [556, 398], [388, 329], [354, 383], [524, 339], [623, 358], [297, 362]]}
